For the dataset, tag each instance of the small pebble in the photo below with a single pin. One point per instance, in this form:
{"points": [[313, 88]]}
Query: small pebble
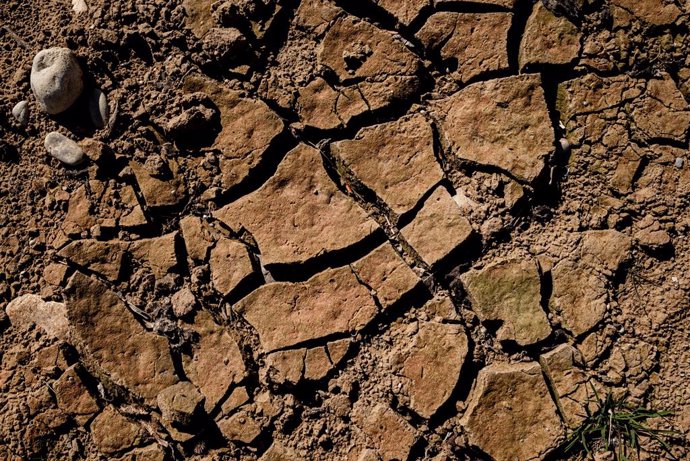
{"points": [[98, 106], [64, 149], [21, 112], [565, 145], [680, 161], [56, 79], [79, 6]]}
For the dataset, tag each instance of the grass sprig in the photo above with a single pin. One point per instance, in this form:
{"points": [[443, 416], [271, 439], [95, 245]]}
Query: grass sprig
{"points": [[619, 427]]}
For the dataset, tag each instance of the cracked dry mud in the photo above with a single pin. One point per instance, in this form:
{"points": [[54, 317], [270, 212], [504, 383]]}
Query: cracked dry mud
{"points": [[331, 230]]}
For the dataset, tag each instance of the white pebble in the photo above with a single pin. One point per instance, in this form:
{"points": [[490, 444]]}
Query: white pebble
{"points": [[98, 107], [56, 79], [21, 112], [680, 161], [64, 149], [79, 6]]}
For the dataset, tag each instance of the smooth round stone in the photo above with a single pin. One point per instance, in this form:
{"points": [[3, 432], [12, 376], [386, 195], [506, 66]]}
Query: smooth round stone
{"points": [[64, 149], [79, 6], [21, 112], [56, 79], [98, 107]]}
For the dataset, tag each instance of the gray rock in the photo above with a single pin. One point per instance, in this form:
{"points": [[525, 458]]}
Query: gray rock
{"points": [[680, 161], [64, 149], [56, 79], [79, 6], [21, 112], [30, 309], [98, 106]]}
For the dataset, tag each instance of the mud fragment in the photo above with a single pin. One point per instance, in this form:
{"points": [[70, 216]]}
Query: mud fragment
{"points": [[470, 44], [502, 123], [392, 436], [515, 397], [215, 362], [321, 218], [579, 296], [114, 433], [396, 160], [438, 229], [431, 362], [509, 292], [113, 343], [73, 397], [286, 314], [548, 39]]}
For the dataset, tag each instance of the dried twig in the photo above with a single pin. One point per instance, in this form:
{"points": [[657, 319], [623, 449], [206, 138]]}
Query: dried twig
{"points": [[16, 37]]}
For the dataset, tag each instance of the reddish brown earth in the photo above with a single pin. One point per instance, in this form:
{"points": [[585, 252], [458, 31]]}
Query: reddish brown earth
{"points": [[330, 230]]}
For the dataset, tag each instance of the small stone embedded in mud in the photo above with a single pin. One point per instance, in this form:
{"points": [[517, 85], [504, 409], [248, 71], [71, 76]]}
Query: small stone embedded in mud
{"points": [[56, 79], [565, 145], [21, 112], [98, 108], [64, 149]]}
